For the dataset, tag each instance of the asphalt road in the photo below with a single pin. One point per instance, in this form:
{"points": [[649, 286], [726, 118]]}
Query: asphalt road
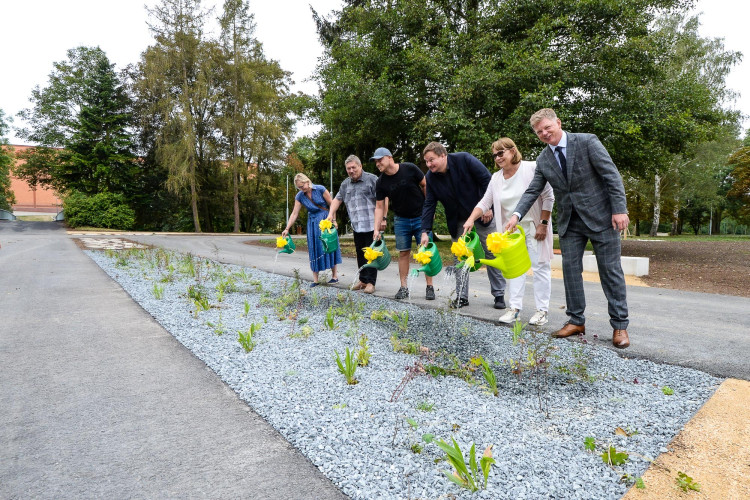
{"points": [[98, 401]]}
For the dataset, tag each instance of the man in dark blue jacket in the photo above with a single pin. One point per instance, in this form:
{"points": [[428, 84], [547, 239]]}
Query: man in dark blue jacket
{"points": [[459, 181]]}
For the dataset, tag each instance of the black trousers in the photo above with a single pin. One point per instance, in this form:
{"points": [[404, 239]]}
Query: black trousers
{"points": [[361, 240]]}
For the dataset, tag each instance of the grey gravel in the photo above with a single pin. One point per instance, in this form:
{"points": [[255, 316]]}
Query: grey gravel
{"points": [[362, 441]]}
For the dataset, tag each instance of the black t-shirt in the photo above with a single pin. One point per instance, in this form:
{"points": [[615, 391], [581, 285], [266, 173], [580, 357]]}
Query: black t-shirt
{"points": [[405, 196]]}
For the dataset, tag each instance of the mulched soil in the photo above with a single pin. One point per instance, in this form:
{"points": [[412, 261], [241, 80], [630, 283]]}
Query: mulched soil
{"points": [[699, 266]]}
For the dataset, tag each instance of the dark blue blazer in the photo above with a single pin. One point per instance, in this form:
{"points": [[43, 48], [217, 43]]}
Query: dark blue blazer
{"points": [[459, 189]]}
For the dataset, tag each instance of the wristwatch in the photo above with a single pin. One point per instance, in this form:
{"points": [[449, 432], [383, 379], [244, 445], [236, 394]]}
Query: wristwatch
{"points": [[544, 221]]}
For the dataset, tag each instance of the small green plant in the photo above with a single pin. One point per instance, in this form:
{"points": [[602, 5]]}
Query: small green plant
{"points": [[612, 457], [639, 483], [467, 475], [668, 391], [348, 367], [686, 483], [363, 354], [246, 339], [425, 406], [589, 443], [416, 448], [302, 321], [330, 321], [247, 308], [489, 378], [339, 406], [218, 327], [304, 333], [201, 304], [158, 291], [405, 345]]}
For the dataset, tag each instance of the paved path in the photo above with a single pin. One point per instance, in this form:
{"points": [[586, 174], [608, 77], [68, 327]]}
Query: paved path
{"points": [[705, 331], [99, 401]]}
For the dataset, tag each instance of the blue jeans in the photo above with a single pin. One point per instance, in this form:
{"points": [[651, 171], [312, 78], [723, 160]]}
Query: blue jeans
{"points": [[404, 229]]}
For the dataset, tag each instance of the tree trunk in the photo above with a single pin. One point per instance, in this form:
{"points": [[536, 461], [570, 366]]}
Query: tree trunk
{"points": [[716, 222], [194, 201], [675, 221], [657, 206], [236, 196]]}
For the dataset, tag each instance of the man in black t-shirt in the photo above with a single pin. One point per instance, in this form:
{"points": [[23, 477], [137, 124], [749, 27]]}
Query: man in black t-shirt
{"points": [[404, 186]]}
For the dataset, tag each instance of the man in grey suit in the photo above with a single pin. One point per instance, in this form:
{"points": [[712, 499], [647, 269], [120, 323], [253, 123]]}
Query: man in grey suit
{"points": [[591, 206]]}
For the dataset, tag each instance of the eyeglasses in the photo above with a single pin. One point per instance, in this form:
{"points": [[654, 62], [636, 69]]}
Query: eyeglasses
{"points": [[500, 153]]}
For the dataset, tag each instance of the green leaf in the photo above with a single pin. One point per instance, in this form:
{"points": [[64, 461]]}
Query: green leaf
{"points": [[589, 443]]}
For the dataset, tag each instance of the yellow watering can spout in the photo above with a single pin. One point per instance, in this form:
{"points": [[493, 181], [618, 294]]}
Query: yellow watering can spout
{"points": [[512, 258]]}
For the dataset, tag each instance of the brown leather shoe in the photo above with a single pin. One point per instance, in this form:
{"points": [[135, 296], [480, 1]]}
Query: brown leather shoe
{"points": [[569, 329], [359, 286], [369, 288], [620, 339]]}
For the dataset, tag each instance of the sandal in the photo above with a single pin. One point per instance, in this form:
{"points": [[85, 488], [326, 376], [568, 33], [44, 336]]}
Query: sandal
{"points": [[333, 280]]}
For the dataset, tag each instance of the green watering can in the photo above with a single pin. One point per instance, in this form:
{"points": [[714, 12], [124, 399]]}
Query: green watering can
{"points": [[289, 248], [472, 243], [434, 266], [513, 261], [382, 261], [330, 239]]}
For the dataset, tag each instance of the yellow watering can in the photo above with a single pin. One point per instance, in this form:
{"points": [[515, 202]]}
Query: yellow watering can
{"points": [[513, 258], [286, 245], [377, 255], [469, 248], [430, 259]]}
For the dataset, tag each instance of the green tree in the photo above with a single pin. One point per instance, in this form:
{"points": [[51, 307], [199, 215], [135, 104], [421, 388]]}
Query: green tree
{"points": [[80, 122], [7, 198], [402, 73], [97, 157], [177, 77], [740, 186]]}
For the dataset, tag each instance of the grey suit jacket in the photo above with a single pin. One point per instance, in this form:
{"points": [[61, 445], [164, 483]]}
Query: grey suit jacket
{"points": [[594, 186]]}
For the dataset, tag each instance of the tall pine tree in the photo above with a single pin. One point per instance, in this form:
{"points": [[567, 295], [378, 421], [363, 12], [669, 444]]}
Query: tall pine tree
{"points": [[98, 156]]}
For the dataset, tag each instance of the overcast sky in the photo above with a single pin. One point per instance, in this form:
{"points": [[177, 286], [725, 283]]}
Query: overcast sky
{"points": [[36, 33]]}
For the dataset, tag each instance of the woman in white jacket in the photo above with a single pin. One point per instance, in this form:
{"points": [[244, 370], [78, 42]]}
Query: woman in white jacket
{"points": [[504, 191]]}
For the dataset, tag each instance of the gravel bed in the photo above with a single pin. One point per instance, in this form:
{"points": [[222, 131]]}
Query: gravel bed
{"points": [[363, 442]]}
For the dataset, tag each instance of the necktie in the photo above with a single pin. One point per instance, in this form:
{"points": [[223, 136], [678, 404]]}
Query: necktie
{"points": [[563, 161]]}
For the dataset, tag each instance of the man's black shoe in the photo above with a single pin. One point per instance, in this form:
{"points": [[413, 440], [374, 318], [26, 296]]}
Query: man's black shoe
{"points": [[500, 302], [459, 303], [429, 293]]}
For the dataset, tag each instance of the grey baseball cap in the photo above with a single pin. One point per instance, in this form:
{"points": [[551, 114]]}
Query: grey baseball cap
{"points": [[379, 153]]}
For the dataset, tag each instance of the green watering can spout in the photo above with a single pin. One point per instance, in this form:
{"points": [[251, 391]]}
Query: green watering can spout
{"points": [[289, 248], [434, 266], [383, 260], [513, 261]]}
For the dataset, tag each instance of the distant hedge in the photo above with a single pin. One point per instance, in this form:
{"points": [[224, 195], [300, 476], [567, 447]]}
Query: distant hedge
{"points": [[106, 210]]}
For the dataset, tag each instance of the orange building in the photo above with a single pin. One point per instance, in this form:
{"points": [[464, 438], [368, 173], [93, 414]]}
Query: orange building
{"points": [[32, 198]]}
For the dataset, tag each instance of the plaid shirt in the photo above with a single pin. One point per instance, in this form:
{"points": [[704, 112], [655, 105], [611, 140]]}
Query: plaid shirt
{"points": [[359, 197]]}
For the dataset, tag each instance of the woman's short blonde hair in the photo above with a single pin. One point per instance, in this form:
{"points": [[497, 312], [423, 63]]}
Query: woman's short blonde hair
{"points": [[301, 177], [507, 143]]}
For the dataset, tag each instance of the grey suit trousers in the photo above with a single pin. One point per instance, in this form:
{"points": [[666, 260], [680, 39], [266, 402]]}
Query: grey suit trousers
{"points": [[607, 249]]}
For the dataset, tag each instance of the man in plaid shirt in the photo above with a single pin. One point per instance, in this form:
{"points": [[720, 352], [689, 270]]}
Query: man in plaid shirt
{"points": [[358, 193]]}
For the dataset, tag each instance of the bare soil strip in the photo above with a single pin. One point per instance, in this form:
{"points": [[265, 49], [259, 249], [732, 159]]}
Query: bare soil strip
{"points": [[712, 449]]}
